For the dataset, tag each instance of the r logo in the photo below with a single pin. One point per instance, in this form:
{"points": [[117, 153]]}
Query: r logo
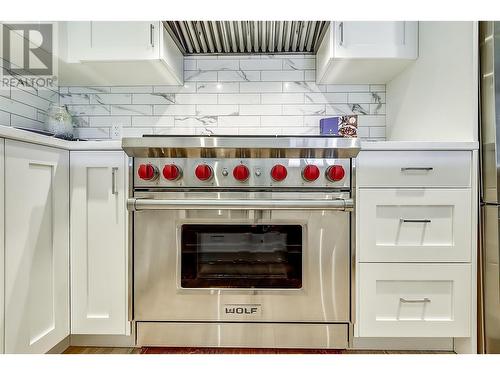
{"points": [[27, 49]]}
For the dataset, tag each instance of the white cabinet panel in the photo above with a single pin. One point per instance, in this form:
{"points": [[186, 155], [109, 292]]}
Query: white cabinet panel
{"points": [[366, 51], [375, 39], [414, 225], [134, 40], [37, 247], [414, 169], [2, 243], [414, 300], [98, 243], [139, 40], [118, 53]]}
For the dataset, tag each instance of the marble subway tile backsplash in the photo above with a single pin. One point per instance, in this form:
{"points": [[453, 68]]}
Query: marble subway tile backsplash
{"points": [[25, 106], [258, 94]]}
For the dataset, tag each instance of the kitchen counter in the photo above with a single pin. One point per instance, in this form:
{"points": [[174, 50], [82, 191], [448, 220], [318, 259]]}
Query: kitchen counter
{"points": [[40, 139], [416, 145], [109, 145]]}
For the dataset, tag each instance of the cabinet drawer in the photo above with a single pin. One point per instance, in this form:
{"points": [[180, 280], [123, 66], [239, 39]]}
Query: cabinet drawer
{"points": [[414, 168], [414, 300], [414, 225]]}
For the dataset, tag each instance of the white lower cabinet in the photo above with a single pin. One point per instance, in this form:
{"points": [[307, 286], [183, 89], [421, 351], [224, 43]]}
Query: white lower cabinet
{"points": [[415, 225], [416, 238], [414, 300], [98, 243], [36, 247]]}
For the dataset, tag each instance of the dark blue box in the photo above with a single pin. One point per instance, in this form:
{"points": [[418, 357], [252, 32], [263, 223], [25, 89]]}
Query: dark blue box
{"points": [[342, 126], [329, 126]]}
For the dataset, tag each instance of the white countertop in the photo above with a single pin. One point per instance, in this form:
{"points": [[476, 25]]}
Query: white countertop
{"points": [[109, 145], [30, 137], [416, 145]]}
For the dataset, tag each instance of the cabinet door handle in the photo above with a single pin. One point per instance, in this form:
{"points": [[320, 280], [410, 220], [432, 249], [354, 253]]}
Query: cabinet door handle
{"points": [[404, 32], [404, 169], [417, 300], [114, 191], [415, 220], [341, 30], [151, 35]]}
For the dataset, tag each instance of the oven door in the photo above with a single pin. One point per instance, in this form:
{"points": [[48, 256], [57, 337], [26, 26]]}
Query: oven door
{"points": [[257, 256]]}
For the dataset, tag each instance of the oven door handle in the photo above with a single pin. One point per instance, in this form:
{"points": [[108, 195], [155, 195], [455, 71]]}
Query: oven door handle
{"points": [[141, 204]]}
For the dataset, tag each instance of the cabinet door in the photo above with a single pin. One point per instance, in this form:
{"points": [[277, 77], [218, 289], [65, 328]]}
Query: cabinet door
{"points": [[415, 225], [98, 243], [36, 247], [114, 41], [414, 300], [375, 39]]}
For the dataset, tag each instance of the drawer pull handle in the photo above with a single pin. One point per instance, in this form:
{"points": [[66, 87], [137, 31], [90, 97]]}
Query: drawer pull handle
{"points": [[418, 300], [427, 169], [415, 220]]}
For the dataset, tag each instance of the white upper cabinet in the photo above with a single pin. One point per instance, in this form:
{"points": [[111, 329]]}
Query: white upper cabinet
{"points": [[366, 51], [375, 39], [118, 53], [36, 247], [91, 41], [98, 243]]}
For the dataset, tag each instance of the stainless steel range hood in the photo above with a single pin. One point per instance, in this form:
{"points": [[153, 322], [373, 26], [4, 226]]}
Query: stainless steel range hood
{"points": [[234, 37]]}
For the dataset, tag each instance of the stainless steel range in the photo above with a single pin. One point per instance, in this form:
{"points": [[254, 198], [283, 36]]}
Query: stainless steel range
{"points": [[241, 241]]}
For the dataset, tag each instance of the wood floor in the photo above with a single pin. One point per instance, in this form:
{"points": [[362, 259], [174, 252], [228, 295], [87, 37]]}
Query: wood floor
{"points": [[100, 350], [152, 350]]}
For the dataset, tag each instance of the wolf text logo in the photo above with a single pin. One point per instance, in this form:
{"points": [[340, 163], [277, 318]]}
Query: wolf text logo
{"points": [[243, 309]]}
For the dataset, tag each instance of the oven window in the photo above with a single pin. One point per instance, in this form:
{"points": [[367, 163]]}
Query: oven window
{"points": [[241, 256]]}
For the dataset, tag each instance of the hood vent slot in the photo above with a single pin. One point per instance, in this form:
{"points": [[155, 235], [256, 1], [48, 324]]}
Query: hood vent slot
{"points": [[233, 37]]}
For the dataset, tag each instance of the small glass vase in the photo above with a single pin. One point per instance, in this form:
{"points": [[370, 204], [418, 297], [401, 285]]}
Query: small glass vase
{"points": [[59, 122]]}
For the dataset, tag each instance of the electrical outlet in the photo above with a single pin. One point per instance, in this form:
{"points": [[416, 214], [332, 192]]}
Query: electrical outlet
{"points": [[116, 131]]}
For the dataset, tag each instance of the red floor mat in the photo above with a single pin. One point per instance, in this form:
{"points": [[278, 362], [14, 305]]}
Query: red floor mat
{"points": [[158, 350]]}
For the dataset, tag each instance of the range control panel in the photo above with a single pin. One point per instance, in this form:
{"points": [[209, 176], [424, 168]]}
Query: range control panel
{"points": [[183, 172]]}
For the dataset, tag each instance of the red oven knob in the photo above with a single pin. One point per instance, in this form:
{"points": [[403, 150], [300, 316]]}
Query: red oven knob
{"points": [[241, 173], [278, 172], [335, 173], [310, 172], [203, 172], [172, 172], [147, 172]]}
